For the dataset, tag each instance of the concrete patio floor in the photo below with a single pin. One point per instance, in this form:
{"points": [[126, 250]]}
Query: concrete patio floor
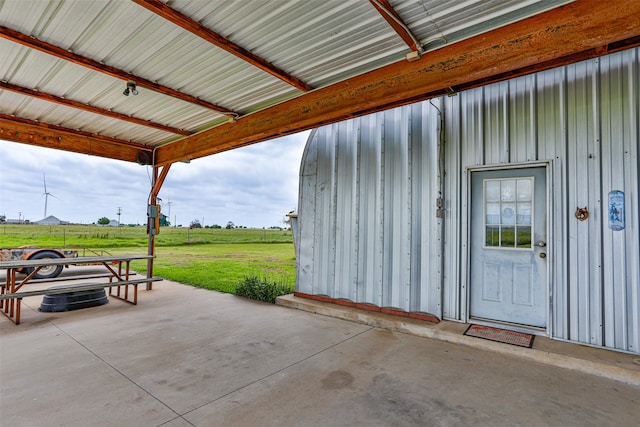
{"points": [[190, 357]]}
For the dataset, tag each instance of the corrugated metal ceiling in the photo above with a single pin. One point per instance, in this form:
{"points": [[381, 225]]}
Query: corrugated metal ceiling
{"points": [[319, 42]]}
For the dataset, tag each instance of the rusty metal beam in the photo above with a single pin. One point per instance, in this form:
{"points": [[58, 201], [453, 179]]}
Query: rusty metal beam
{"points": [[158, 180], [395, 21], [577, 31], [90, 108], [157, 185], [183, 21], [58, 52], [49, 136]]}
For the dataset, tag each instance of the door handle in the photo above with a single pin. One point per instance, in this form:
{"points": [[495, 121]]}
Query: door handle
{"points": [[541, 244]]}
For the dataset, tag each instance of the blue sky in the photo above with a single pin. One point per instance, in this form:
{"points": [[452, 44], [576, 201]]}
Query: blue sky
{"points": [[253, 186]]}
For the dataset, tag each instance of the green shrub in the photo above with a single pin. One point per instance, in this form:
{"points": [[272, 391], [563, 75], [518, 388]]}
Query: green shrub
{"points": [[262, 289]]}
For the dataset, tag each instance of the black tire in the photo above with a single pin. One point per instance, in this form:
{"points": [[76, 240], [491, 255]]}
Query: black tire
{"points": [[46, 272]]}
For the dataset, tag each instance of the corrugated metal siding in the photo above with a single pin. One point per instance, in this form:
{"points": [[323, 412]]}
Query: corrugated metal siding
{"points": [[368, 188], [620, 124], [584, 118], [365, 232]]}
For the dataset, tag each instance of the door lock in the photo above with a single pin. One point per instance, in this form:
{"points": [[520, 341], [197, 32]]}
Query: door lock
{"points": [[543, 255], [541, 244]]}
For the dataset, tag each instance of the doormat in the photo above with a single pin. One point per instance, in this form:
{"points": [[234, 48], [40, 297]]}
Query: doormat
{"points": [[500, 335]]}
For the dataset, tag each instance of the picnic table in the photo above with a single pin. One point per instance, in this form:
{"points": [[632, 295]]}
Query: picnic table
{"points": [[118, 274]]}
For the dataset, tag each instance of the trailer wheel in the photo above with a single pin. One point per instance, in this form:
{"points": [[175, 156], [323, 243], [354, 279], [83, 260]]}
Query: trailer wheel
{"points": [[48, 272]]}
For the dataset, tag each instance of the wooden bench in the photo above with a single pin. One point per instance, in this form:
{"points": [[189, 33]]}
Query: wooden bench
{"points": [[119, 293], [77, 287], [65, 278], [11, 292]]}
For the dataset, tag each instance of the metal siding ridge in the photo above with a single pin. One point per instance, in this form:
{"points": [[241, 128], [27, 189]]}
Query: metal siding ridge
{"points": [[613, 259], [346, 219], [632, 183], [454, 291], [594, 169]]}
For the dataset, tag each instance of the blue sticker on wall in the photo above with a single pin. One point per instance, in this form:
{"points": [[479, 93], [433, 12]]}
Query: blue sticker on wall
{"points": [[616, 210]]}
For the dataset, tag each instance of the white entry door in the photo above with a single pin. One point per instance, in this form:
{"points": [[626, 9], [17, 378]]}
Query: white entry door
{"points": [[508, 246]]}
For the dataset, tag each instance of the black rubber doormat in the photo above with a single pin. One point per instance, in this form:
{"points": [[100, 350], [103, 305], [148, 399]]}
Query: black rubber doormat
{"points": [[500, 335]]}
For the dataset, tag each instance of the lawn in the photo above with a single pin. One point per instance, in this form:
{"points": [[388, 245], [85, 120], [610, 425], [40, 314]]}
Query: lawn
{"points": [[209, 258]]}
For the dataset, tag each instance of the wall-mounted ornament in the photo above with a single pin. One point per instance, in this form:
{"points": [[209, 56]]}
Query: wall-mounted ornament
{"points": [[616, 210], [582, 213]]}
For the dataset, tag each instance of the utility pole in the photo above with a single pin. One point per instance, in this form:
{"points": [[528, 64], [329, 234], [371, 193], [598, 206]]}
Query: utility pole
{"points": [[119, 212]]}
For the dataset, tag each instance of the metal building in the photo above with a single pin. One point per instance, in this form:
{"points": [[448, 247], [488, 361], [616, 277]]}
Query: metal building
{"points": [[511, 204]]}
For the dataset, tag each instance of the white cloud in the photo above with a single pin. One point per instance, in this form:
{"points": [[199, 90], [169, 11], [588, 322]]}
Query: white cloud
{"points": [[253, 186]]}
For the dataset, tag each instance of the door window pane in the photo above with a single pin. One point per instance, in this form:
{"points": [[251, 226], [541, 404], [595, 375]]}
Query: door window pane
{"points": [[508, 190], [492, 234], [523, 215], [524, 190], [523, 237], [492, 191], [508, 237], [508, 210], [508, 213], [493, 213]]}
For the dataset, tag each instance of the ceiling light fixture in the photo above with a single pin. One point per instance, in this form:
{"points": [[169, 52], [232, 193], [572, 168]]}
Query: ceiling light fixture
{"points": [[131, 88]]}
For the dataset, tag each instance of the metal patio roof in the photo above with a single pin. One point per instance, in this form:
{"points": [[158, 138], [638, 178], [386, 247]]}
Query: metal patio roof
{"points": [[213, 75]]}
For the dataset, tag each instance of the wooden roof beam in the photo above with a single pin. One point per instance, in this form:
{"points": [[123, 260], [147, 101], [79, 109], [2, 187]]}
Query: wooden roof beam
{"points": [[58, 52], [183, 21], [577, 31], [90, 108], [40, 134]]}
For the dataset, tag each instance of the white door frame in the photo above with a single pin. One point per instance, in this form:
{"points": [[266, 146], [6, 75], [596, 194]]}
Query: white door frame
{"points": [[466, 253]]}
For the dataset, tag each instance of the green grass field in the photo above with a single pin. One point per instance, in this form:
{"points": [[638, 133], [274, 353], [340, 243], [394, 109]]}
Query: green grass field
{"points": [[208, 258]]}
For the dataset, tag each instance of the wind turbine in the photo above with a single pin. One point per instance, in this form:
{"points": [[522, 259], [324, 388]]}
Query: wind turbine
{"points": [[169, 203], [46, 194]]}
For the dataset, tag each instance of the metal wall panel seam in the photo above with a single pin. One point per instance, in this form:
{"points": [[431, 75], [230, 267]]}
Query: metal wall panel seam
{"points": [[357, 218], [405, 131], [346, 218], [414, 120], [632, 186], [612, 148], [333, 213], [340, 207], [455, 287], [505, 153], [577, 249], [633, 241], [382, 235], [380, 212], [477, 108], [595, 226], [324, 232], [561, 300], [362, 229], [395, 204], [370, 210]]}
